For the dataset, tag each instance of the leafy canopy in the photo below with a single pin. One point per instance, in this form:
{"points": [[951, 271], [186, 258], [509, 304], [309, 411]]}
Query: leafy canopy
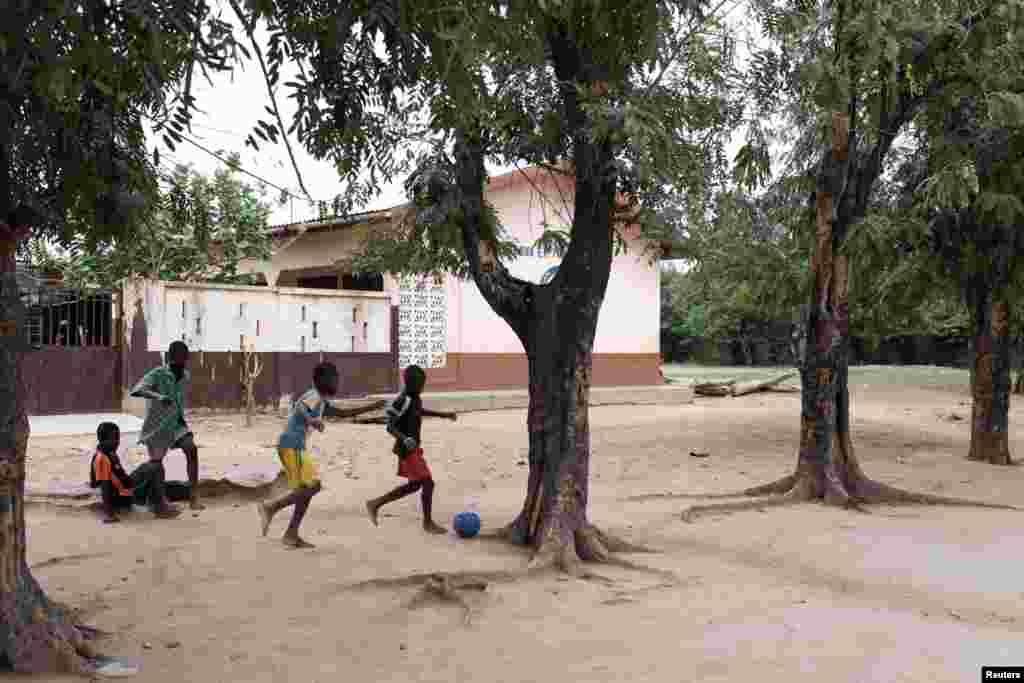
{"points": [[385, 88], [201, 229], [78, 80]]}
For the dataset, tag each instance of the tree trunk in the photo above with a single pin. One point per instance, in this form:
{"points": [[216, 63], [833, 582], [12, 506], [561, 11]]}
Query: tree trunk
{"points": [[554, 515], [826, 464], [556, 324], [1018, 362], [35, 634], [745, 348], [827, 467], [990, 382], [825, 458]]}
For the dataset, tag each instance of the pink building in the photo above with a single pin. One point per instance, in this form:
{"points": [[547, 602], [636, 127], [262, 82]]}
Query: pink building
{"points": [[448, 328]]}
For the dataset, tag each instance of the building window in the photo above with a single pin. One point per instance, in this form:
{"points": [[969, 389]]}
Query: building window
{"points": [[363, 282], [319, 282]]}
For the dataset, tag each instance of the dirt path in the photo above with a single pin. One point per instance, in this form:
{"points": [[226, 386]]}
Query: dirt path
{"points": [[809, 593]]}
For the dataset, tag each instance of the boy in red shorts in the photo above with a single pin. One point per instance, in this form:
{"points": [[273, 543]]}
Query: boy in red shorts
{"points": [[405, 416]]}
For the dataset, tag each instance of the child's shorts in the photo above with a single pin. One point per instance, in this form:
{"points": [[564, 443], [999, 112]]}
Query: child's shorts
{"points": [[413, 467], [299, 466]]}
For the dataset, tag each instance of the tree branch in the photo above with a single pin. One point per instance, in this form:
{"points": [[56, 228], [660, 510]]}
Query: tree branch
{"points": [[511, 298], [679, 48], [250, 31], [891, 122], [586, 265], [540, 193]]}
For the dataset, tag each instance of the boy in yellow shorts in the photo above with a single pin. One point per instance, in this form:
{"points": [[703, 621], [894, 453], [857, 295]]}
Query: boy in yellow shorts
{"points": [[303, 478]]}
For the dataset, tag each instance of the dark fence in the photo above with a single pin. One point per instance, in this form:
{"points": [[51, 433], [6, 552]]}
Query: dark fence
{"points": [[778, 350], [60, 317]]}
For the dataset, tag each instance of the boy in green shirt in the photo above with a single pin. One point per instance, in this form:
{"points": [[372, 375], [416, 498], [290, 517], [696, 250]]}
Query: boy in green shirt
{"points": [[165, 428]]}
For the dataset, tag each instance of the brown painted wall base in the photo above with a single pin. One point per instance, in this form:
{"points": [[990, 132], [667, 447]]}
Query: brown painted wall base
{"points": [[216, 376], [484, 371], [72, 380]]}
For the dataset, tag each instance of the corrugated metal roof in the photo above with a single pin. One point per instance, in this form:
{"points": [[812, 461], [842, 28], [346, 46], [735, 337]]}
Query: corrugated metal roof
{"points": [[331, 223]]}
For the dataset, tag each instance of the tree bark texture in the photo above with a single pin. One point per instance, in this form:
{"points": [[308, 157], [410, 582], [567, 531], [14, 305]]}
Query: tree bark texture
{"points": [[825, 455], [35, 634], [556, 324], [990, 380], [827, 467]]}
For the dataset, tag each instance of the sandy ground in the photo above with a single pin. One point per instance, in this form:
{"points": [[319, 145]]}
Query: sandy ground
{"points": [[805, 593]]}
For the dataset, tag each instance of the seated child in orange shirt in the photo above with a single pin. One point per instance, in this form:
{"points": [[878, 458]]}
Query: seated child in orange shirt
{"points": [[121, 490]]}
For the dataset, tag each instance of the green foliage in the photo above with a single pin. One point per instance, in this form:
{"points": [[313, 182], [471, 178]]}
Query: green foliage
{"points": [[747, 264], [385, 89], [968, 169], [897, 69], [896, 290], [202, 228], [79, 79], [694, 324]]}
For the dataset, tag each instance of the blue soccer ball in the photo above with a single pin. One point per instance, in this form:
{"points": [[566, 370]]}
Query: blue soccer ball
{"points": [[467, 524]]}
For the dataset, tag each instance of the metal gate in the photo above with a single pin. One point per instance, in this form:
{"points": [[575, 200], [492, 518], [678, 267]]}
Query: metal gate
{"points": [[74, 365]]}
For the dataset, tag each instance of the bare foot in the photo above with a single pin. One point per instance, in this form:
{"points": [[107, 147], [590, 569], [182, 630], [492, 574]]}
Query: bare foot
{"points": [[434, 528], [296, 542], [168, 512], [265, 518], [371, 510], [196, 505]]}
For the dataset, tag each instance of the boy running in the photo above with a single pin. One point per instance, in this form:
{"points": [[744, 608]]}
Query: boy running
{"points": [[405, 416], [164, 428], [119, 489], [307, 414]]}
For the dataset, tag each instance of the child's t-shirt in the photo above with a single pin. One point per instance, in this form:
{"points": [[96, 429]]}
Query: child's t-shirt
{"points": [[406, 415], [309, 406], [103, 469]]}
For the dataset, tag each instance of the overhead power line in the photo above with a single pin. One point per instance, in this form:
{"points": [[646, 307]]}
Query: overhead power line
{"points": [[239, 168]]}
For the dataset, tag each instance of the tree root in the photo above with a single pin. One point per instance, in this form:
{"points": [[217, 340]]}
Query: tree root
{"points": [[43, 636], [778, 487], [456, 579], [793, 496], [873, 492], [1001, 460], [443, 587], [590, 546], [801, 489], [440, 587], [614, 544]]}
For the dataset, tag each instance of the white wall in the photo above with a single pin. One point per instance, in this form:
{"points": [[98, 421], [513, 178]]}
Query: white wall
{"points": [[629, 321], [217, 317]]}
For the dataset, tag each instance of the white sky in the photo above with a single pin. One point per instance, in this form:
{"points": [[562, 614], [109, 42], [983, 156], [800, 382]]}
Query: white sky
{"points": [[236, 101]]}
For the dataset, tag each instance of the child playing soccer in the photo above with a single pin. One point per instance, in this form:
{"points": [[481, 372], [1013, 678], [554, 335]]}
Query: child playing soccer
{"points": [[307, 414], [165, 428], [405, 415], [119, 489]]}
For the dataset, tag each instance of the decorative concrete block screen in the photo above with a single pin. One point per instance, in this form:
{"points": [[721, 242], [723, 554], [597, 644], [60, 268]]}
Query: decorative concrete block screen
{"points": [[422, 323], [213, 317]]}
